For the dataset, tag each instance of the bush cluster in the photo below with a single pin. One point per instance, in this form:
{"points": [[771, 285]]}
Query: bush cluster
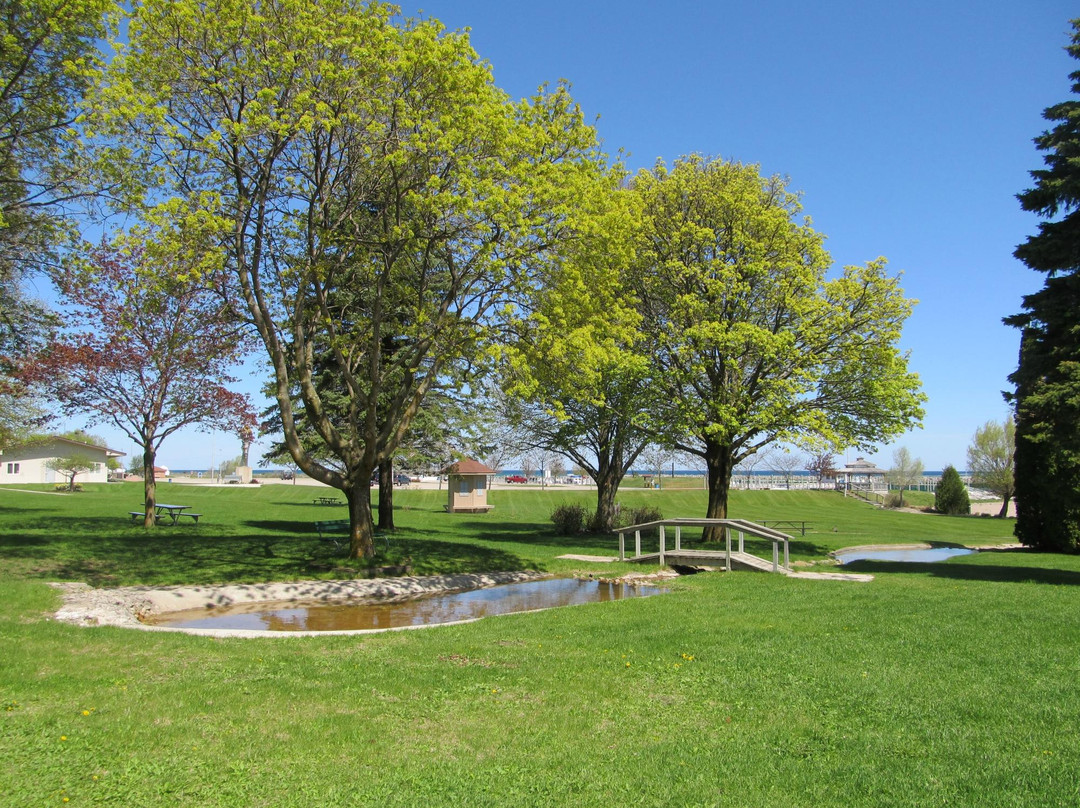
{"points": [[951, 496], [570, 520], [639, 516]]}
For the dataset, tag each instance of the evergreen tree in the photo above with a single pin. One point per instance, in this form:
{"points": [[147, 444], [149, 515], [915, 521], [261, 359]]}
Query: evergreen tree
{"points": [[1047, 380], [951, 495]]}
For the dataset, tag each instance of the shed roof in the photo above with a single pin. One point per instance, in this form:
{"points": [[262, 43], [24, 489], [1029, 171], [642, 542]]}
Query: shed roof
{"points": [[468, 467]]}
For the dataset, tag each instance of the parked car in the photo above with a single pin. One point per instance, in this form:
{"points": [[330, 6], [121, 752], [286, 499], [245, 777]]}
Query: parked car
{"points": [[402, 479], [516, 478], [287, 475]]}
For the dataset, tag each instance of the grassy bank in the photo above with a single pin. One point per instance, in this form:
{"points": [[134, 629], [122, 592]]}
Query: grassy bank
{"points": [[943, 684], [265, 533]]}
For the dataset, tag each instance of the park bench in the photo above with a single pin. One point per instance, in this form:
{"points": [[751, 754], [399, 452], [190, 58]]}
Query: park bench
{"points": [[137, 516], [330, 528], [787, 524]]}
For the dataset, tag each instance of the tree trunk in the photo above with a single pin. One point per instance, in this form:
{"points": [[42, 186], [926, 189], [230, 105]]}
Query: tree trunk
{"points": [[149, 487], [607, 486], [386, 495], [1004, 507], [719, 465], [362, 532]]}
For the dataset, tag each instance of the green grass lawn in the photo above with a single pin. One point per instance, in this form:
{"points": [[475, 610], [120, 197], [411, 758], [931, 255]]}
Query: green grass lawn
{"points": [[942, 684]]}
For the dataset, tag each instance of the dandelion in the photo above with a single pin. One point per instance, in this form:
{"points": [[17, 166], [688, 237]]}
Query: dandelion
{"points": [[86, 712], [63, 737]]}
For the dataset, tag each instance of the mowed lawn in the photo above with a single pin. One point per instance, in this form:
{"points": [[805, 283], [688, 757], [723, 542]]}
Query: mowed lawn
{"points": [[943, 684]]}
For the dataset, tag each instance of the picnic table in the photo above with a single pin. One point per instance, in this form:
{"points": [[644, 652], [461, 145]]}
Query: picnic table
{"points": [[326, 501], [163, 511]]}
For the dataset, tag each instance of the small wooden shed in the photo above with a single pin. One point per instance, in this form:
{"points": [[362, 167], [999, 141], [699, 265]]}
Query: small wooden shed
{"points": [[467, 487]]}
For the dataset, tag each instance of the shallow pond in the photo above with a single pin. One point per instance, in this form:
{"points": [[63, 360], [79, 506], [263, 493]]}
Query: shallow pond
{"points": [[918, 555], [445, 607]]}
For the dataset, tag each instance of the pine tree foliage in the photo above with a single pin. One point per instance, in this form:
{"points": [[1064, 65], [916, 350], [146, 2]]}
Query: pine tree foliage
{"points": [[951, 496], [1047, 380]]}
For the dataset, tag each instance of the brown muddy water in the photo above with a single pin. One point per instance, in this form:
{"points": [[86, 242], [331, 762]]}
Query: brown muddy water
{"points": [[446, 607]]}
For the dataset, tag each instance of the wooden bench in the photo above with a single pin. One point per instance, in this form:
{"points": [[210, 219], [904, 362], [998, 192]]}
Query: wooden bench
{"points": [[138, 515], [787, 524], [329, 528]]}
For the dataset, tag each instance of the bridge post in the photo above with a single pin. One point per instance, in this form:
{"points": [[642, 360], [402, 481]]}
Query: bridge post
{"points": [[663, 541], [678, 537], [727, 537], [622, 546], [637, 542]]}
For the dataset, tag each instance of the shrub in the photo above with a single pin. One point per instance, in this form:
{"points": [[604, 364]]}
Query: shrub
{"points": [[951, 496], [569, 519], [639, 516]]}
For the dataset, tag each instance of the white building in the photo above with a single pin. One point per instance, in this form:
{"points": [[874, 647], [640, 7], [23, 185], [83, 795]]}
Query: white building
{"points": [[29, 463]]}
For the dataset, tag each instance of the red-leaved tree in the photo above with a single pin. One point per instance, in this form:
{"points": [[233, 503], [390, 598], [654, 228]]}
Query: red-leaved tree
{"points": [[148, 348]]}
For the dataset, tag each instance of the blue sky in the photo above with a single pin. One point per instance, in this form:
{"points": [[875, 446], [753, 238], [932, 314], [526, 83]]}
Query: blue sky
{"points": [[907, 126]]}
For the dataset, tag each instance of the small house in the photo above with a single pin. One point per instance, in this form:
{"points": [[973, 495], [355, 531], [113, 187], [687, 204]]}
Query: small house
{"points": [[29, 462], [467, 487]]}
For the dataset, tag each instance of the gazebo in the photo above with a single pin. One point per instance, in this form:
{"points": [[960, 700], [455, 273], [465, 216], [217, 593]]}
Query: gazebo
{"points": [[862, 475], [467, 487]]}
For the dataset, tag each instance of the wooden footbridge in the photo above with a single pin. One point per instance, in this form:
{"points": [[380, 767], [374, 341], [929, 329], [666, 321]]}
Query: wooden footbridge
{"points": [[731, 557]]}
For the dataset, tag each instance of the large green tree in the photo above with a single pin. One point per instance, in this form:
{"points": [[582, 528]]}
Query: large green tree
{"points": [[343, 148], [575, 370], [1047, 379], [753, 343], [48, 56]]}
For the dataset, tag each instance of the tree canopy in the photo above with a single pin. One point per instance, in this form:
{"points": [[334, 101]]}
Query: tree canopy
{"points": [[990, 460], [148, 347], [751, 341], [575, 370], [369, 180], [904, 472], [48, 57], [1047, 379]]}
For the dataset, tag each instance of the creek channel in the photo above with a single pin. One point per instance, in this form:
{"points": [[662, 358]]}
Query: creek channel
{"points": [[446, 607], [913, 554]]}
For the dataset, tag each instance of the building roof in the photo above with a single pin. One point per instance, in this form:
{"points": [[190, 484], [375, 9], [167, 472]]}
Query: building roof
{"points": [[861, 466], [468, 467], [46, 439]]}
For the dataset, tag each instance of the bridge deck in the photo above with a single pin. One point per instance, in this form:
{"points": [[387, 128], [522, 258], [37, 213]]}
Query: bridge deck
{"points": [[707, 558]]}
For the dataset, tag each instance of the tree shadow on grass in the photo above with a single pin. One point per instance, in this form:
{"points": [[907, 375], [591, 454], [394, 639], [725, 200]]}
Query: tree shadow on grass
{"points": [[958, 570], [431, 556], [540, 534]]}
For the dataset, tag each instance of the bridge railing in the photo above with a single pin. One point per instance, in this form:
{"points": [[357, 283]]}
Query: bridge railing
{"points": [[742, 527]]}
